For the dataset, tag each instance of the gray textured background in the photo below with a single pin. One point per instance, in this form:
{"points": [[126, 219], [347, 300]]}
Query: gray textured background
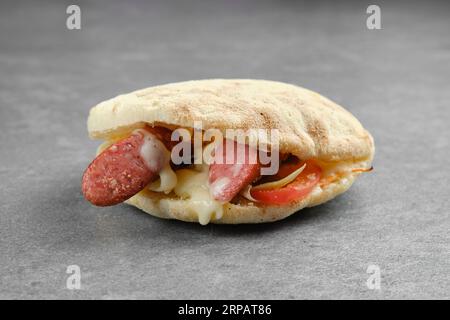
{"points": [[395, 80]]}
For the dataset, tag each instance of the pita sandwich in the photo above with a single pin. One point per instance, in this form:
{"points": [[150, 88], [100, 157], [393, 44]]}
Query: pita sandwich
{"points": [[322, 149]]}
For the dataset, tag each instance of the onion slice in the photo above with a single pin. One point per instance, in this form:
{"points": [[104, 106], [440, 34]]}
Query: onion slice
{"points": [[282, 182], [246, 193], [362, 169]]}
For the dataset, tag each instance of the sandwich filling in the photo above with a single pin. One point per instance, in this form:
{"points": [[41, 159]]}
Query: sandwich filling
{"points": [[142, 160]]}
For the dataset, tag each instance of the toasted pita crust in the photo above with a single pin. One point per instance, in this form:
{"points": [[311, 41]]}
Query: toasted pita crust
{"points": [[310, 126]]}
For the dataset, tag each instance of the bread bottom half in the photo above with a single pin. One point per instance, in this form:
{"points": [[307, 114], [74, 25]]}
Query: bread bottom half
{"points": [[172, 207]]}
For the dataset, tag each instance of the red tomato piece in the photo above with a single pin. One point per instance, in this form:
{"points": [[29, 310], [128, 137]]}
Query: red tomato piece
{"points": [[296, 190]]}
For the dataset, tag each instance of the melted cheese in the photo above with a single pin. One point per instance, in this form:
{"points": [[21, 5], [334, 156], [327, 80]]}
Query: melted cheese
{"points": [[153, 151], [166, 182], [156, 155], [193, 186]]}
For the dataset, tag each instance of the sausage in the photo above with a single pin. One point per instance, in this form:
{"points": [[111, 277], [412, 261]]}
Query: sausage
{"points": [[227, 180], [120, 171], [164, 135]]}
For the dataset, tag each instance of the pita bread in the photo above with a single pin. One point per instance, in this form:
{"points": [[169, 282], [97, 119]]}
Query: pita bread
{"points": [[310, 126]]}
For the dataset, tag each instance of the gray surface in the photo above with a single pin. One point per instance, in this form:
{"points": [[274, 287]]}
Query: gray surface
{"points": [[395, 80]]}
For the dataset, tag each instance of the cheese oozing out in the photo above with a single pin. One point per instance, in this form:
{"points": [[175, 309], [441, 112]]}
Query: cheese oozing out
{"points": [[153, 151], [166, 182], [194, 187], [157, 158], [189, 184]]}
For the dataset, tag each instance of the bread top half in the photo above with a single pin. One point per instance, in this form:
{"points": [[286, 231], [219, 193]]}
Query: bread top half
{"points": [[309, 125]]}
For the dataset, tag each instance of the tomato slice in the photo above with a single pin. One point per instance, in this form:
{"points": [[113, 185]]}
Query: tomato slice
{"points": [[296, 190]]}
